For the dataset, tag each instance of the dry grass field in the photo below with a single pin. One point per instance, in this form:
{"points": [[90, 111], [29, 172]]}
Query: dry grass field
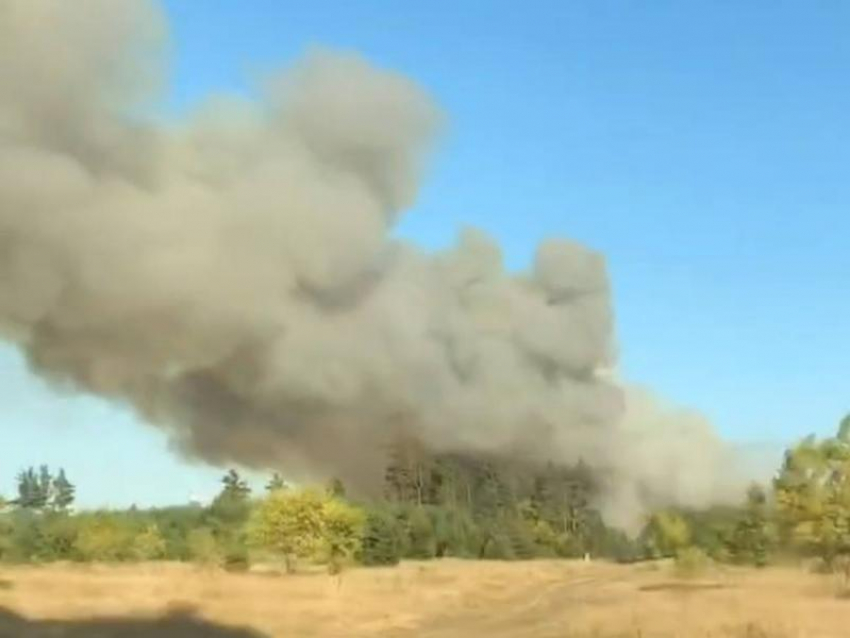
{"points": [[445, 599]]}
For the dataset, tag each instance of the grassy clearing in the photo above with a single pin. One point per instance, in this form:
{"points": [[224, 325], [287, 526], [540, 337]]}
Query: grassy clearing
{"points": [[448, 599]]}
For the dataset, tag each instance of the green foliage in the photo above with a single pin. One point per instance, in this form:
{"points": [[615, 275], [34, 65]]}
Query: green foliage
{"points": [[103, 537], [64, 492], [439, 505], [31, 492], [666, 533], [232, 506], [422, 541], [307, 524], [691, 562], [812, 493], [275, 483], [149, 544], [203, 547], [753, 539], [381, 544], [342, 533], [41, 491]]}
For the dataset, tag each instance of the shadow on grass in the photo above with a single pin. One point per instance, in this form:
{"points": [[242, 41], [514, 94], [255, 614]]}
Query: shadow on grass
{"points": [[177, 624]]}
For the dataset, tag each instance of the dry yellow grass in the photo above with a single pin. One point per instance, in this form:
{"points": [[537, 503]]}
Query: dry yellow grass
{"points": [[445, 599]]}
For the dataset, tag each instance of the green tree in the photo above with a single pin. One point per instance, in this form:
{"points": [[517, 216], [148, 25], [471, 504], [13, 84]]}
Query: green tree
{"points": [[64, 492], [342, 533], [45, 487], [752, 539], [29, 495], [275, 483], [231, 507], [234, 486], [422, 543], [381, 545], [307, 524], [812, 493], [666, 534]]}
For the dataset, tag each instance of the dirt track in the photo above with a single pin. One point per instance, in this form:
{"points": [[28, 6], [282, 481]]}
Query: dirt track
{"points": [[446, 599]]}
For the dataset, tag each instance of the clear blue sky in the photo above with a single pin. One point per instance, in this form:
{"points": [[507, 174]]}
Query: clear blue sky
{"points": [[703, 146]]}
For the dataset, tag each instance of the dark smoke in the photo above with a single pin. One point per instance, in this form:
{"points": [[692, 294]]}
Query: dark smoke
{"points": [[235, 280]]}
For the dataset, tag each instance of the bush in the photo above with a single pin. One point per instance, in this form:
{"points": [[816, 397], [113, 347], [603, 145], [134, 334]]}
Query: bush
{"points": [[691, 562], [103, 538], [236, 558], [149, 544], [58, 537], [203, 547]]}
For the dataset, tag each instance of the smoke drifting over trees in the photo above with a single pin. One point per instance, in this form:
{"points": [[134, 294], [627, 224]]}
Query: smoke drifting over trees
{"points": [[234, 277]]}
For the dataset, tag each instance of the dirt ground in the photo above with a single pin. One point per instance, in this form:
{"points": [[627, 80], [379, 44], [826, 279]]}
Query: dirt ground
{"points": [[441, 599]]}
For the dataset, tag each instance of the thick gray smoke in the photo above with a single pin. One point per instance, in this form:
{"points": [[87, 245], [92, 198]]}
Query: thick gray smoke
{"points": [[235, 280]]}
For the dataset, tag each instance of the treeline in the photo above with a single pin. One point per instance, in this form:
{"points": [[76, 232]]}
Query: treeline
{"points": [[439, 505]]}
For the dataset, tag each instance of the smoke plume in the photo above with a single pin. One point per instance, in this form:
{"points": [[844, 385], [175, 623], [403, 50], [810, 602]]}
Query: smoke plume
{"points": [[234, 277]]}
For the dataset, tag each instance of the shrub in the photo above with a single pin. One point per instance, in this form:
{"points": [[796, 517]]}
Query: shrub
{"points": [[236, 558], [58, 537], [149, 544], [102, 538], [691, 562], [203, 547]]}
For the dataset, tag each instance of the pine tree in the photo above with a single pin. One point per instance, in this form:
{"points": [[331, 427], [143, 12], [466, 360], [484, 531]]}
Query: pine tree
{"points": [[232, 505], [45, 487], [399, 476], [751, 539], [275, 483], [27, 489], [34, 488], [235, 486], [64, 492], [380, 540]]}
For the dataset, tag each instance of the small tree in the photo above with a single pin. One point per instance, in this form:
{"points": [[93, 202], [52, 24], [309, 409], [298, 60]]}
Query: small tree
{"points": [[342, 533], [309, 523], [666, 534], [289, 522], [752, 538], [380, 540]]}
